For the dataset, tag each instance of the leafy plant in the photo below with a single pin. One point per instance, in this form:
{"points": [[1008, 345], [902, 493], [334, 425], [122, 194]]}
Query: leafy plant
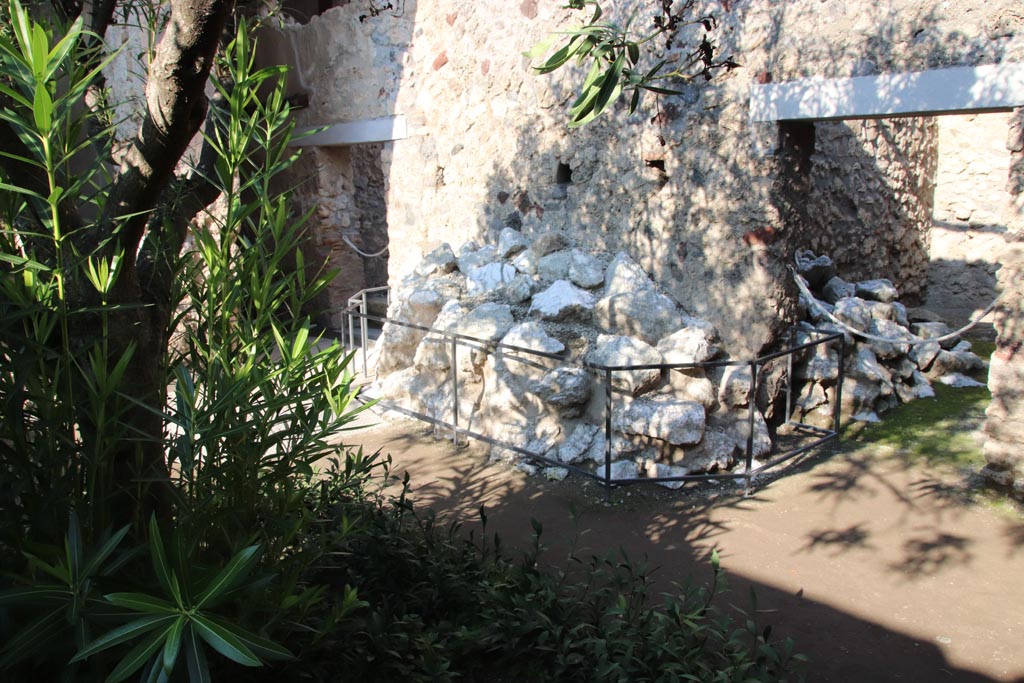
{"points": [[615, 54]]}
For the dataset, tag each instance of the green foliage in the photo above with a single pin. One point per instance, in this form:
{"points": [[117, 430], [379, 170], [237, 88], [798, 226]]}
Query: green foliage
{"points": [[614, 56]]}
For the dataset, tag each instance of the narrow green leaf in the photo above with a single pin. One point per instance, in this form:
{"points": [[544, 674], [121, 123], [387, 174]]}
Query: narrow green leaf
{"points": [[32, 638], [137, 656], [122, 634], [33, 594], [224, 641], [195, 657], [172, 646], [261, 647], [42, 109], [163, 570], [140, 602], [235, 570]]}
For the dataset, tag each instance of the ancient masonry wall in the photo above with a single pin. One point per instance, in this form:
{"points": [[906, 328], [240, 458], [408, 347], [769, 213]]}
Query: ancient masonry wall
{"points": [[687, 186], [1004, 426], [973, 213]]}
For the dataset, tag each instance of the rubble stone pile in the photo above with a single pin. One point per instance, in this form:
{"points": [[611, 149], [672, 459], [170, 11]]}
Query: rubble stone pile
{"points": [[897, 356], [554, 309]]}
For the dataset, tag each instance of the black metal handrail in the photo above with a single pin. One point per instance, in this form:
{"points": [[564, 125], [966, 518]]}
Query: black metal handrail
{"points": [[357, 309]]}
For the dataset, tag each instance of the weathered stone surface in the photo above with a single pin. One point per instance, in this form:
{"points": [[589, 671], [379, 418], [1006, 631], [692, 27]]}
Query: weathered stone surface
{"points": [[810, 397], [433, 353], [511, 242], [440, 260], [585, 271], [564, 387], [837, 288], [817, 270], [481, 257], [563, 301], [396, 347], [645, 313], [489, 278], [949, 362], [625, 275], [554, 266], [889, 329], [548, 242], [855, 312], [923, 355], [959, 381], [526, 262], [623, 469], [520, 289], [734, 385], [574, 448], [614, 350], [555, 473], [864, 365], [489, 322], [931, 330], [677, 422], [859, 396], [876, 290], [532, 335], [688, 345], [693, 385], [733, 422], [657, 470], [820, 364], [717, 451]]}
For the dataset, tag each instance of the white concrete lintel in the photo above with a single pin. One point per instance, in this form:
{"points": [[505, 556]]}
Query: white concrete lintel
{"points": [[384, 129], [994, 87]]}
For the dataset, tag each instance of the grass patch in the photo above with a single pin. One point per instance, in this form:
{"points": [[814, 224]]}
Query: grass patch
{"points": [[940, 430]]}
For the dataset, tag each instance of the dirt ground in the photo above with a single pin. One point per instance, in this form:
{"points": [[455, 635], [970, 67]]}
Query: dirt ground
{"points": [[879, 570]]}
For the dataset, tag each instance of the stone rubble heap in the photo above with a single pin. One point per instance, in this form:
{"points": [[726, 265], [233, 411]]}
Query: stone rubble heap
{"points": [[878, 375], [544, 295]]}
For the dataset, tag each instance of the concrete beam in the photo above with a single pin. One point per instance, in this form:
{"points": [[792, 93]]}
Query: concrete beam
{"points": [[384, 129], [996, 87]]}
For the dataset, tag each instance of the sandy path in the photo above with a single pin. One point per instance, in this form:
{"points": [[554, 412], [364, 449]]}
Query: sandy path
{"points": [[878, 570]]}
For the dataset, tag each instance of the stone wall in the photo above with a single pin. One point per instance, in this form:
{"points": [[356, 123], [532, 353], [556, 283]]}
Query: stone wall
{"points": [[864, 196], [687, 186], [1004, 427], [973, 213]]}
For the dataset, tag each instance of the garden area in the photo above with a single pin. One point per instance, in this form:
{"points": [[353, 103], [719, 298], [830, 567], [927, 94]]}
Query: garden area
{"points": [[192, 490]]}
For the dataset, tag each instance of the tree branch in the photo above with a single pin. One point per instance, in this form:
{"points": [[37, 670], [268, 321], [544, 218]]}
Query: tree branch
{"points": [[176, 107]]}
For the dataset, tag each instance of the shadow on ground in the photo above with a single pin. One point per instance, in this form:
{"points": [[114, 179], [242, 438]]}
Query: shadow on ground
{"points": [[880, 570]]}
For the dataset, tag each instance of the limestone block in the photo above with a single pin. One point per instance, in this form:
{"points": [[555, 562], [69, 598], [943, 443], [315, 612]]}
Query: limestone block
{"points": [[490, 277], [692, 385], [864, 365], [614, 350], [622, 469], [859, 396], [625, 275], [677, 422], [564, 387], [923, 355], [820, 364], [688, 345], [931, 330], [949, 362], [644, 313], [657, 470], [520, 289], [563, 301], [1006, 382], [585, 271], [837, 288], [888, 329], [717, 451], [810, 397], [548, 242], [511, 242], [489, 322], [531, 335], [575, 447], [526, 262], [554, 266], [1003, 455], [440, 260], [481, 257], [555, 473], [734, 385], [396, 347], [879, 289], [854, 312], [816, 270], [433, 353]]}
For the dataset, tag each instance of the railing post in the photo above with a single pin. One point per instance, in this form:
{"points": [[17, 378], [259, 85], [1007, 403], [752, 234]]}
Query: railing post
{"points": [[455, 392], [607, 434], [789, 375], [837, 410], [364, 334], [751, 407]]}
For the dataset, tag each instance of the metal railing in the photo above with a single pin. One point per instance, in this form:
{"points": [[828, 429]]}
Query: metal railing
{"points": [[357, 309]]}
